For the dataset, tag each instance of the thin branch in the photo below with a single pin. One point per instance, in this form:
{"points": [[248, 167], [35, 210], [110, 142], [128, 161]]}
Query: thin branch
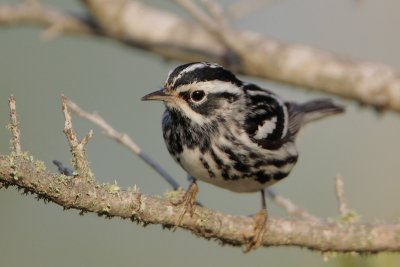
{"points": [[217, 12], [346, 215], [192, 8], [291, 208], [80, 161], [123, 139], [339, 186], [216, 25], [14, 126]]}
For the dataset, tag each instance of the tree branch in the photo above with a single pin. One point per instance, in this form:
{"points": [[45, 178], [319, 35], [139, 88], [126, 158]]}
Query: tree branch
{"points": [[110, 201], [172, 37], [29, 13], [80, 162], [83, 194]]}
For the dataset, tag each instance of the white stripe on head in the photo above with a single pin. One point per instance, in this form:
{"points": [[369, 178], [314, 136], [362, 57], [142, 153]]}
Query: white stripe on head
{"points": [[213, 87], [191, 68]]}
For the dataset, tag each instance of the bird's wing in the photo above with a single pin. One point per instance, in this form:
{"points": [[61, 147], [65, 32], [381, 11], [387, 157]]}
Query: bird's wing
{"points": [[266, 120]]}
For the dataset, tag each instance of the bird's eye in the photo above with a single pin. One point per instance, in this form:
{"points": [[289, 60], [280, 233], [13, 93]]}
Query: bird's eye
{"points": [[197, 95]]}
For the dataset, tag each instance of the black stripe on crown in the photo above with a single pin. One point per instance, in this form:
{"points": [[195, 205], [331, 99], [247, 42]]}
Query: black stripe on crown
{"points": [[205, 72]]}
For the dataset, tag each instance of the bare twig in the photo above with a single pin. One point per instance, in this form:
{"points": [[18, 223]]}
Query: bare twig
{"points": [[346, 215], [237, 46], [80, 162], [14, 126], [123, 139], [291, 208], [207, 21], [339, 186], [216, 11]]}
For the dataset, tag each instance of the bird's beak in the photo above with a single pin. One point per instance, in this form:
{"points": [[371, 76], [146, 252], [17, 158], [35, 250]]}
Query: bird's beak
{"points": [[160, 95]]}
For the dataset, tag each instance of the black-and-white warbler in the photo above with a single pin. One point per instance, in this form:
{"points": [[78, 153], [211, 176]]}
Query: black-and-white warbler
{"points": [[230, 133]]}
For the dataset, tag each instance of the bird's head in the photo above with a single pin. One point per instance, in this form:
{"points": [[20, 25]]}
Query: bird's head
{"points": [[200, 91]]}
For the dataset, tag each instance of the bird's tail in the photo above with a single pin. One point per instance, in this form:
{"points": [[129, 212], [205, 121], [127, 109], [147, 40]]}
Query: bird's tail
{"points": [[318, 109], [301, 114]]}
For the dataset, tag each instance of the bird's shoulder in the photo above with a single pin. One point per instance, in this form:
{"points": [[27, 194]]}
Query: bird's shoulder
{"points": [[267, 117]]}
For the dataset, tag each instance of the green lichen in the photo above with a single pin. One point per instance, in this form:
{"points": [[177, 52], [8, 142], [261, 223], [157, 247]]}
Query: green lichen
{"points": [[350, 217], [142, 207], [113, 188], [134, 189], [370, 239], [39, 165], [106, 208], [14, 174], [10, 159], [24, 155], [63, 179], [55, 189], [175, 196]]}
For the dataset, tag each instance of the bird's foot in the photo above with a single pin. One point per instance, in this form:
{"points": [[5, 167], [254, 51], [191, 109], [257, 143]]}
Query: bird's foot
{"points": [[187, 204], [260, 222]]}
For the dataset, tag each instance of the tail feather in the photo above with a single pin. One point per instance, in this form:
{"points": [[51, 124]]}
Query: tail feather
{"points": [[301, 114], [318, 109]]}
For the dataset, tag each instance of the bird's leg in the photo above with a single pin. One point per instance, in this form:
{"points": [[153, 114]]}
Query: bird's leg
{"points": [[188, 201], [260, 222]]}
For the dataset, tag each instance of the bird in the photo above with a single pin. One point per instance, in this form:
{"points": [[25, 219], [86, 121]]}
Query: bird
{"points": [[233, 134]]}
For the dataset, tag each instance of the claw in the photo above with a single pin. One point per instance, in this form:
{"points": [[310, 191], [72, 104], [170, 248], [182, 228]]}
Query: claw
{"points": [[260, 222], [188, 203]]}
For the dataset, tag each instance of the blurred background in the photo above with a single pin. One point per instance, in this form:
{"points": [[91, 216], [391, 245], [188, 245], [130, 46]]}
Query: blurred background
{"points": [[106, 77]]}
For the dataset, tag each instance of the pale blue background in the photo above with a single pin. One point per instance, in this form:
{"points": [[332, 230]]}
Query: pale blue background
{"points": [[106, 77]]}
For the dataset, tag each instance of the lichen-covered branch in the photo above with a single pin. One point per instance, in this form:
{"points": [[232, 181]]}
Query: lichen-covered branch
{"points": [[14, 128], [86, 195], [109, 200], [78, 151], [170, 36]]}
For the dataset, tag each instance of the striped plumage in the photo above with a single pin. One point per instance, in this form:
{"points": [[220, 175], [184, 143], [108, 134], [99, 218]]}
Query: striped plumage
{"points": [[229, 133]]}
